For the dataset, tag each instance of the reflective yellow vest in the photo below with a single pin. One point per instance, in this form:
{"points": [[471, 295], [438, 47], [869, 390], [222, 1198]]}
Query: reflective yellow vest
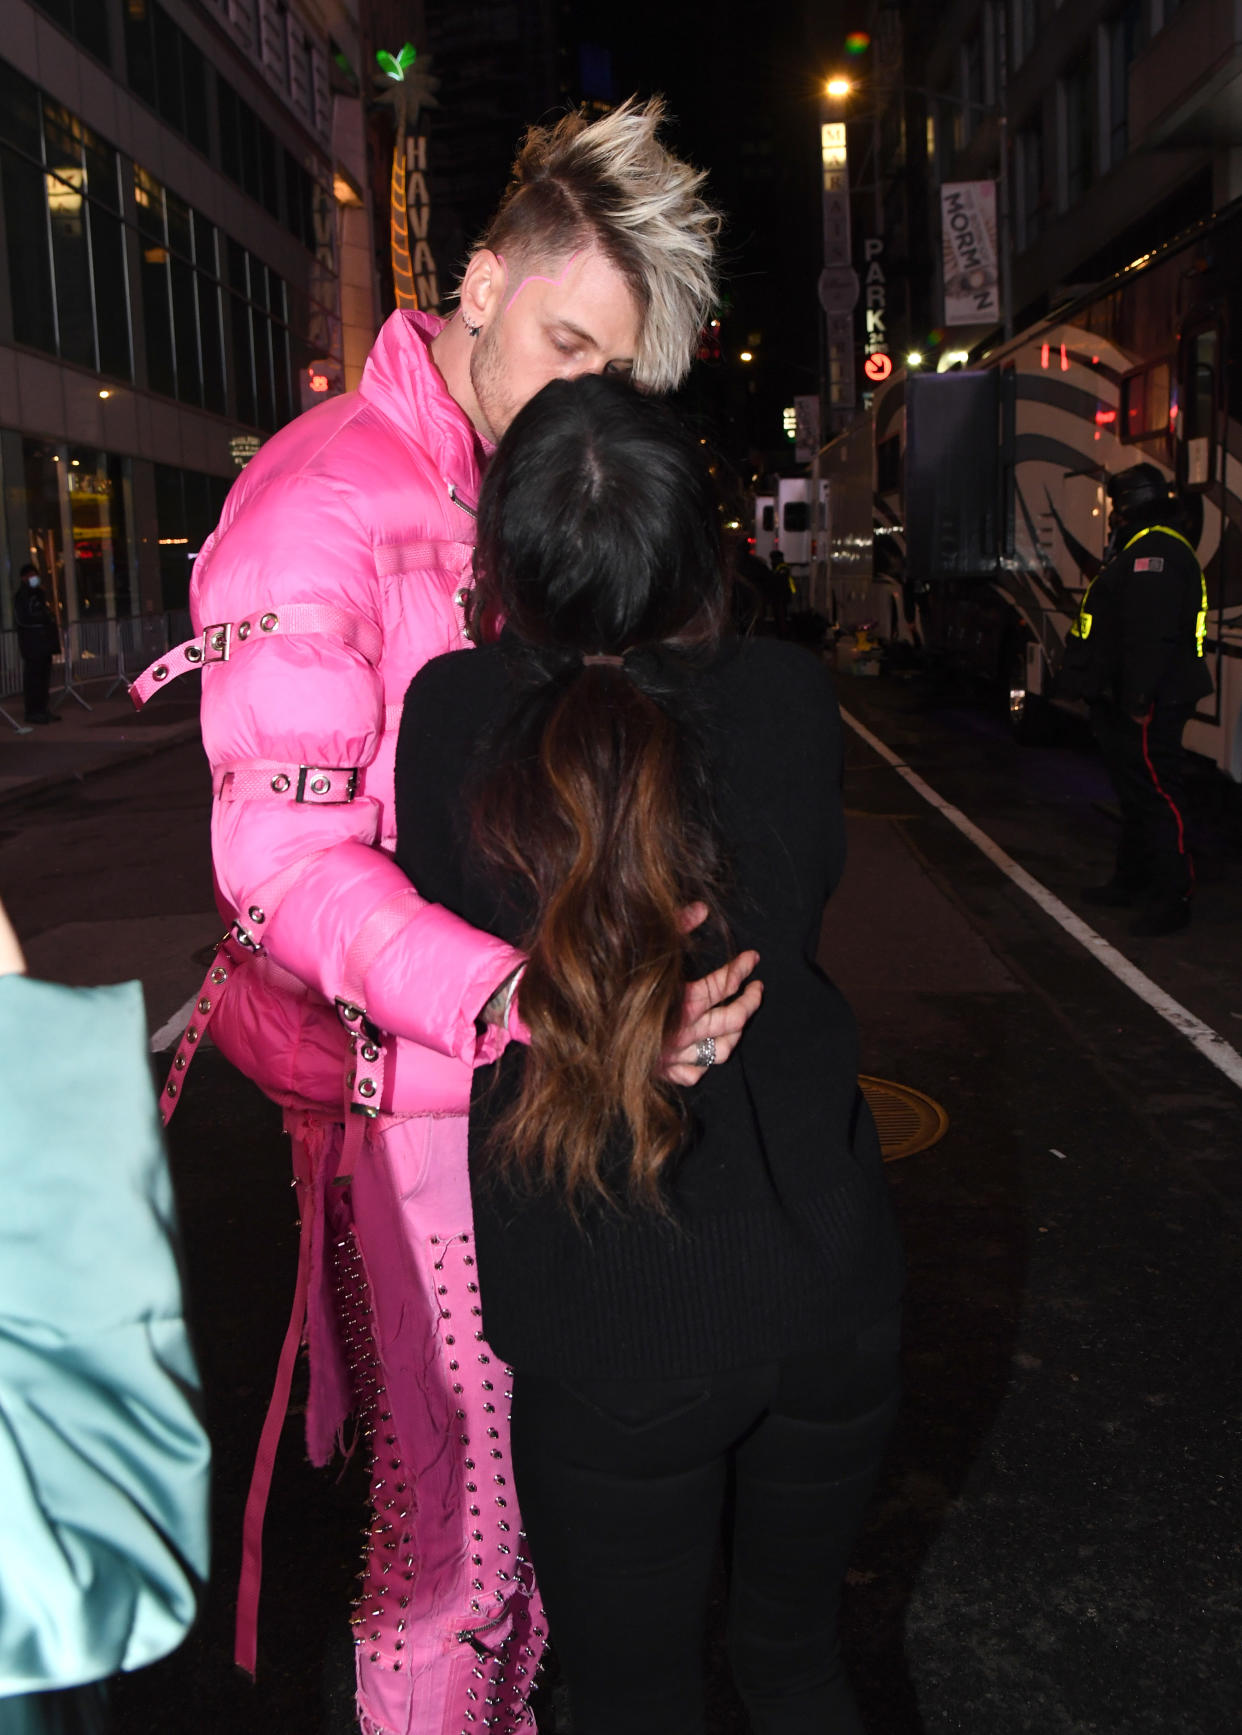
{"points": [[1081, 628]]}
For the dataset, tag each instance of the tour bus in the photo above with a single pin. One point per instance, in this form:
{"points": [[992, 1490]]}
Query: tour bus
{"points": [[967, 511]]}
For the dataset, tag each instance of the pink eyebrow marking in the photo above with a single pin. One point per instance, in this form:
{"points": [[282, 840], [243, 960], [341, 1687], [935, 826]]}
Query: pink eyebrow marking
{"points": [[533, 278]]}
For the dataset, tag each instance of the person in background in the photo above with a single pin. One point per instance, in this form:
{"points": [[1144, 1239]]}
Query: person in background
{"points": [[104, 1463], [1135, 654], [689, 1287], [38, 640]]}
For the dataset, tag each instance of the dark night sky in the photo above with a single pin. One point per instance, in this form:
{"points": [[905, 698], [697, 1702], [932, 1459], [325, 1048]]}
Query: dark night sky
{"points": [[742, 82]]}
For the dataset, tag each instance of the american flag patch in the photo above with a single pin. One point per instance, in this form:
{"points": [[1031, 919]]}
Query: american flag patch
{"points": [[1150, 563]]}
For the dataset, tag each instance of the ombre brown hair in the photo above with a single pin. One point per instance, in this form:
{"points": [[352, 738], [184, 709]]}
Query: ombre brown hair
{"points": [[598, 539]]}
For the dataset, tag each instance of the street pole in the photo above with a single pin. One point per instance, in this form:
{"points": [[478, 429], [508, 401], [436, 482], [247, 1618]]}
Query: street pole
{"points": [[838, 281], [1004, 214]]}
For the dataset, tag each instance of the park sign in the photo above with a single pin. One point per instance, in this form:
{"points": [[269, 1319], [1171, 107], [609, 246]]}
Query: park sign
{"points": [[971, 274]]}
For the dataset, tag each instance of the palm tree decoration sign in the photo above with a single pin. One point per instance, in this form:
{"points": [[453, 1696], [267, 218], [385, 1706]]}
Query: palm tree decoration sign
{"points": [[408, 89]]}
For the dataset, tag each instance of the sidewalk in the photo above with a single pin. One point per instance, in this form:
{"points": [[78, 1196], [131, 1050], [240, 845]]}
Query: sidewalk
{"points": [[110, 733]]}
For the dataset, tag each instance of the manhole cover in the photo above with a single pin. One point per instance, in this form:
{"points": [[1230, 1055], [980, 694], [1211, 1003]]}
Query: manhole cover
{"points": [[907, 1121]]}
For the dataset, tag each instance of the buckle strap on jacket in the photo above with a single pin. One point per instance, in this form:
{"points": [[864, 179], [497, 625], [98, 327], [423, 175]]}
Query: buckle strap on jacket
{"points": [[240, 943], [364, 1076], [274, 780], [230, 955], [219, 642]]}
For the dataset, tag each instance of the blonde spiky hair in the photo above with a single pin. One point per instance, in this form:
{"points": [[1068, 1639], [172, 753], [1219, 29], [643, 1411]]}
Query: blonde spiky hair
{"points": [[612, 183]]}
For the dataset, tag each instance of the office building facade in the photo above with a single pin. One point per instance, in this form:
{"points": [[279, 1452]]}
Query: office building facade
{"points": [[186, 262], [1109, 127]]}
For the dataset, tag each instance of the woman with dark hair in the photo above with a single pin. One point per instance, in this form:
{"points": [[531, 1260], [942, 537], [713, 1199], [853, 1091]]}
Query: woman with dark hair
{"points": [[685, 1283]]}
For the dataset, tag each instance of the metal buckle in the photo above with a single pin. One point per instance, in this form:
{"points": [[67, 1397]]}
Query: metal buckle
{"points": [[245, 939], [324, 773], [217, 642]]}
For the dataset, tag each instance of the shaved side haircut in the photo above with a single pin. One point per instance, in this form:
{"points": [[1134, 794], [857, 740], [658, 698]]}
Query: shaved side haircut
{"points": [[610, 183]]}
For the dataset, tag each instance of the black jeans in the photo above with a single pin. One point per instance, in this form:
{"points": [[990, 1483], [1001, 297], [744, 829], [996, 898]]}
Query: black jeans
{"points": [[1145, 765], [622, 1486]]}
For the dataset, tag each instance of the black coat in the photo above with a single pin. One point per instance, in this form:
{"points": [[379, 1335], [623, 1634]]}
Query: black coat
{"points": [[1135, 639], [781, 1236], [37, 633]]}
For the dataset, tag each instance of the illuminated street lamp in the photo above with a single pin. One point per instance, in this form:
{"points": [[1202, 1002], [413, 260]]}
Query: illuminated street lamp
{"points": [[746, 355], [838, 88], [914, 359]]}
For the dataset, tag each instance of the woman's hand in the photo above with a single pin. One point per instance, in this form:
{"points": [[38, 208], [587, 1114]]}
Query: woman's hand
{"points": [[11, 961], [710, 1009]]}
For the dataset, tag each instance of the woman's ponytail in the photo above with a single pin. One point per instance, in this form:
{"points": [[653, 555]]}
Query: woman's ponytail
{"points": [[602, 817]]}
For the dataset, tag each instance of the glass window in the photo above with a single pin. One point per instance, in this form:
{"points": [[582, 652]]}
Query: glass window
{"points": [[97, 483], [1079, 96], [187, 508], [1126, 39], [166, 38], [1025, 25], [20, 112], [29, 251], [230, 136], [140, 50], [242, 360], [156, 285], [1199, 407], [166, 69], [1030, 166], [261, 331], [111, 280], [85, 20], [194, 88], [253, 160], [1145, 402], [65, 182], [67, 267], [185, 330]]}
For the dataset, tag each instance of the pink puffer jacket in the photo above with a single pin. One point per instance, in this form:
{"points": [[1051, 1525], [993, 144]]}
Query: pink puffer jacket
{"points": [[339, 567]]}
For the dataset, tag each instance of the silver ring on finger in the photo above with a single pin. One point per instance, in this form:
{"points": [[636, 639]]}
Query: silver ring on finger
{"points": [[705, 1051]]}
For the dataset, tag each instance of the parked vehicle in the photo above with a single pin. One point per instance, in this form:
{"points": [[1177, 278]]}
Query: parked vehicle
{"points": [[968, 509]]}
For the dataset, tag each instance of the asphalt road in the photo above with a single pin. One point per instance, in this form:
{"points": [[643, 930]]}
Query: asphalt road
{"points": [[1055, 1545]]}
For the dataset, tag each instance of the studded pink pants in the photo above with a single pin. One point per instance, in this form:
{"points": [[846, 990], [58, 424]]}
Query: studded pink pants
{"points": [[449, 1628]]}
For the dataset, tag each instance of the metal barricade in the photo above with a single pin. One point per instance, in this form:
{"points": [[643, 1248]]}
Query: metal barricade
{"points": [[110, 649]]}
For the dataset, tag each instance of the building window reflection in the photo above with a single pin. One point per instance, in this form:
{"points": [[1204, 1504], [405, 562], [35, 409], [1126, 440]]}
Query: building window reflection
{"points": [[78, 509], [187, 508], [181, 297], [166, 70], [65, 239]]}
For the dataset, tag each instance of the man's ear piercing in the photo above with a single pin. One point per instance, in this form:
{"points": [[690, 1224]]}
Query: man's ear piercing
{"points": [[474, 330]]}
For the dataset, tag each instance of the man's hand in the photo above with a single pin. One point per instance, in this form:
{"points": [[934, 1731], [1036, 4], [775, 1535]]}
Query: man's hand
{"points": [[709, 1009]]}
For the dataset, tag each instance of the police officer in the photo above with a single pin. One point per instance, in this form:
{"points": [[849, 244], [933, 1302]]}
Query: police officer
{"points": [[38, 640], [1135, 653]]}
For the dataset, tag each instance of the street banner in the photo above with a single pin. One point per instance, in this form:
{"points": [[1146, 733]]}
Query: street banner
{"points": [[806, 429], [971, 273]]}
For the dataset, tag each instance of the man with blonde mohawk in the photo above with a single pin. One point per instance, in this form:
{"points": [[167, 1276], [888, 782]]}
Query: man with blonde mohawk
{"points": [[341, 564]]}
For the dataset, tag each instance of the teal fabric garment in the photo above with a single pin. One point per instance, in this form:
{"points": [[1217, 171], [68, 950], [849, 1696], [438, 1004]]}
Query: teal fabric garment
{"points": [[103, 1459]]}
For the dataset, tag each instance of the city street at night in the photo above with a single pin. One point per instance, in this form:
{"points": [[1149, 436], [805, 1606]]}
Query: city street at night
{"points": [[1054, 1545]]}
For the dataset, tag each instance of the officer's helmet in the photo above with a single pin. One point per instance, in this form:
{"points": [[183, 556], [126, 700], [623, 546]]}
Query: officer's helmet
{"points": [[1141, 495]]}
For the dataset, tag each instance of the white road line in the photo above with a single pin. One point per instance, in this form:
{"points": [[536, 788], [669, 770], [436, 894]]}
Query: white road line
{"points": [[169, 1035], [1205, 1039]]}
